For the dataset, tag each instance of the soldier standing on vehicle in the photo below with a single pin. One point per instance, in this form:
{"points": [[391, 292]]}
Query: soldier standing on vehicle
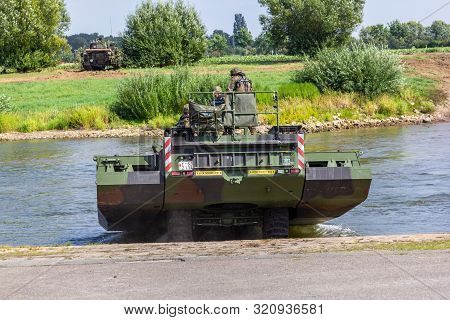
{"points": [[239, 81]]}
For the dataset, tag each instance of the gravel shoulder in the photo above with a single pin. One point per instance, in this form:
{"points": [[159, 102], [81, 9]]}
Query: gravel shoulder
{"points": [[157, 251]]}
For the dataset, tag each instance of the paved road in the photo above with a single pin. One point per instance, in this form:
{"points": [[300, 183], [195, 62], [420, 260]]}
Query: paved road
{"points": [[345, 275]]}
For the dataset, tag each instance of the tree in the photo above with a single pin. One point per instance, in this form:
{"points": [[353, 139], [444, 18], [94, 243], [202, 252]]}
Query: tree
{"points": [[82, 40], [405, 35], [239, 24], [162, 34], [32, 33], [263, 44], [440, 30], [217, 45], [377, 35], [223, 34], [243, 38], [304, 26], [397, 35], [415, 33]]}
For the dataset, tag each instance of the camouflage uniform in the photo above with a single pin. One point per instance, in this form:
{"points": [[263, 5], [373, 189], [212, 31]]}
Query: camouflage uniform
{"points": [[184, 121], [238, 77]]}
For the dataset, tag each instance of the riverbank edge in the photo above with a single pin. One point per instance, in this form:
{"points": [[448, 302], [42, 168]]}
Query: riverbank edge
{"points": [[260, 248], [308, 127]]}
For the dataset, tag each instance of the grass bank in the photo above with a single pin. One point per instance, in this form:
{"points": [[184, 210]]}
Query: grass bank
{"points": [[83, 100]]}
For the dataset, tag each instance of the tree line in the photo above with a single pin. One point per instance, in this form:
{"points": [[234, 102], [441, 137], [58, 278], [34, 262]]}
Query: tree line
{"points": [[172, 33], [412, 34]]}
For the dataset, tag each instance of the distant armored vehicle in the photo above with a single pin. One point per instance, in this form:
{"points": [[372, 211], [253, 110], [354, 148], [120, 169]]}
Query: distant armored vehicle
{"points": [[213, 174], [101, 55]]}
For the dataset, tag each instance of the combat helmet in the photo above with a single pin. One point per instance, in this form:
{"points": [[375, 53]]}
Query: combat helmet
{"points": [[237, 72]]}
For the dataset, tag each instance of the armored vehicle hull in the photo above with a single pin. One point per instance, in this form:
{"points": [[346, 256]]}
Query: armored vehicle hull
{"points": [[99, 59], [208, 181], [135, 191], [101, 55]]}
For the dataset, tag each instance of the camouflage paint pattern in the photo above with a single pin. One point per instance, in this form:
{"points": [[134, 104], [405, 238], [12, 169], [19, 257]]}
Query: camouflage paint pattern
{"points": [[230, 175]]}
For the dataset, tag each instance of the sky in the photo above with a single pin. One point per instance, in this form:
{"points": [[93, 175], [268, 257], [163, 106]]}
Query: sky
{"points": [[89, 16]]}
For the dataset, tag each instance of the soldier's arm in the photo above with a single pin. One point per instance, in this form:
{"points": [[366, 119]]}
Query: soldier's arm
{"points": [[232, 85]]}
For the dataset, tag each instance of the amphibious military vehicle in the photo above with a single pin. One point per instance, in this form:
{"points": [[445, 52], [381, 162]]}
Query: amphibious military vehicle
{"points": [[214, 174], [101, 55]]}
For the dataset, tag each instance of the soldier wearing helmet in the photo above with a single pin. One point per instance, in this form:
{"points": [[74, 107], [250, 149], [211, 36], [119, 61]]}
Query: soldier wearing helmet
{"points": [[239, 82], [184, 121]]}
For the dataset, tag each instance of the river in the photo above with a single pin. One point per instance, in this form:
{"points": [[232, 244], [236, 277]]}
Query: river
{"points": [[48, 197]]}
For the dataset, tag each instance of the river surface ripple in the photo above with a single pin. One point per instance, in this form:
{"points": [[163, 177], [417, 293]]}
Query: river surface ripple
{"points": [[48, 196]]}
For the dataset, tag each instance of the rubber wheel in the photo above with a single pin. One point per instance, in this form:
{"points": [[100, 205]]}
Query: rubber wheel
{"points": [[179, 226], [276, 223]]}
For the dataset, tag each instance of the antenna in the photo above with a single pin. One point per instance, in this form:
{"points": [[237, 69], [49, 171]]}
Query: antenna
{"points": [[110, 25], [435, 11]]}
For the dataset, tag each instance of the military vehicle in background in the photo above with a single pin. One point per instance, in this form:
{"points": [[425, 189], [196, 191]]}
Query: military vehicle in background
{"points": [[101, 55], [214, 175]]}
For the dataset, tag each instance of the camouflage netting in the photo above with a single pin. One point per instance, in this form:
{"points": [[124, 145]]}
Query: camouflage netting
{"points": [[206, 118]]}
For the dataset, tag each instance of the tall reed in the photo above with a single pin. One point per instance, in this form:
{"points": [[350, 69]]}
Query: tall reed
{"points": [[148, 96]]}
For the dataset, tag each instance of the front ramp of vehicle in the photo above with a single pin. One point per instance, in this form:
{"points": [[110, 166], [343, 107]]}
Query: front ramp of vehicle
{"points": [[336, 182], [130, 191]]}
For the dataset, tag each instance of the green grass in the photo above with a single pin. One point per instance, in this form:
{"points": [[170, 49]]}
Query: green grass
{"points": [[61, 94], [87, 118], [84, 103], [270, 80], [422, 85], [422, 50], [300, 90], [414, 246]]}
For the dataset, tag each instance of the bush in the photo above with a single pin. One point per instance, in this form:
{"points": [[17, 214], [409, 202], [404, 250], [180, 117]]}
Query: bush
{"points": [[163, 34], [32, 33], [5, 104], [360, 68], [149, 96], [300, 90]]}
